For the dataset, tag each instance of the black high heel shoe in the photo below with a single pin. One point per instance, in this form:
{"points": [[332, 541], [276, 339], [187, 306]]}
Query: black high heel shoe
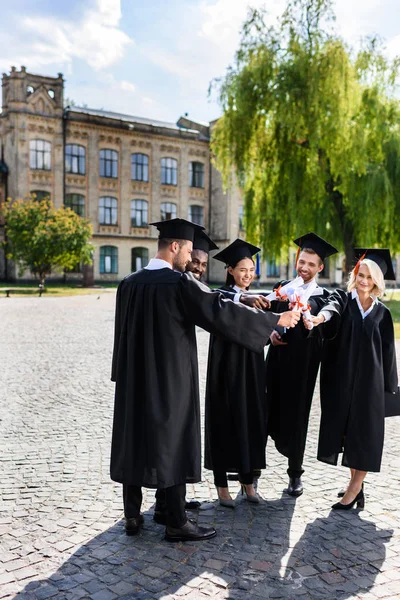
{"points": [[342, 493], [359, 500]]}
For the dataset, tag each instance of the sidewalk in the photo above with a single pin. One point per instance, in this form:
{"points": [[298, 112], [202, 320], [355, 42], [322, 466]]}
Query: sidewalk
{"points": [[61, 531]]}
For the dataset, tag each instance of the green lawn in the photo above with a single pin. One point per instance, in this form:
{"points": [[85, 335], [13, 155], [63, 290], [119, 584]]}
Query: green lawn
{"points": [[55, 289], [392, 301]]}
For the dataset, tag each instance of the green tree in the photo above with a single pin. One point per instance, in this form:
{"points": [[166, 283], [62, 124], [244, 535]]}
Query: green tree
{"points": [[311, 130], [42, 239]]}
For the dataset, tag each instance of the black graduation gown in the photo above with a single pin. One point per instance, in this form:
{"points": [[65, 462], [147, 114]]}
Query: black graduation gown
{"points": [[358, 366], [291, 375], [235, 410], [156, 430]]}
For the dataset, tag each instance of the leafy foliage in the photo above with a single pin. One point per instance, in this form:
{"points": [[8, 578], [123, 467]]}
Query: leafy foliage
{"points": [[312, 131], [42, 239]]}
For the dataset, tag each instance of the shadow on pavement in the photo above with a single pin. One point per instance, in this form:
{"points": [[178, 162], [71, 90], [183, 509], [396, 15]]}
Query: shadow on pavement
{"points": [[256, 554]]}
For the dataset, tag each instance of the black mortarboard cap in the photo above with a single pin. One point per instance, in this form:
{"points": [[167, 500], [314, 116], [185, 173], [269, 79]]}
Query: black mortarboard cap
{"points": [[381, 256], [203, 242], [177, 229], [236, 251], [316, 243]]}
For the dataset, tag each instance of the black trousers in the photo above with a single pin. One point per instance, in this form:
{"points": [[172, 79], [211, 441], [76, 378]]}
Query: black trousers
{"points": [[221, 480], [295, 467], [174, 498]]}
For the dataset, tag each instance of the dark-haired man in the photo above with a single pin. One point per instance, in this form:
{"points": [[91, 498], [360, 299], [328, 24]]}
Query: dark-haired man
{"points": [[156, 429], [289, 398]]}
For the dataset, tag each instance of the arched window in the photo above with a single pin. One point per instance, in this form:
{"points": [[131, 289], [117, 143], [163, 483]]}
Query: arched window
{"points": [[75, 159], [108, 259], [40, 155], [196, 214], [196, 174], [40, 195], [76, 202], [140, 258], [139, 213], [169, 171], [140, 167], [108, 163], [168, 211], [108, 211]]}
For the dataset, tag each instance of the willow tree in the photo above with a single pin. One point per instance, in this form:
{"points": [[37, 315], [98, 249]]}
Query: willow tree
{"points": [[311, 129]]}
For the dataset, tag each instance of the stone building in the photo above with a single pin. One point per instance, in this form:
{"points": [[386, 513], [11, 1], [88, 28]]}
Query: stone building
{"points": [[121, 172]]}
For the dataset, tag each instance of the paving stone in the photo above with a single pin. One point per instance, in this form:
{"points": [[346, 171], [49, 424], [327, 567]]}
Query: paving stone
{"points": [[61, 527]]}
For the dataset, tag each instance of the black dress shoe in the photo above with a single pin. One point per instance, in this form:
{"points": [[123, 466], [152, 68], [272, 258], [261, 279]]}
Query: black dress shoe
{"points": [[189, 532], [359, 500], [295, 487], [133, 524]]}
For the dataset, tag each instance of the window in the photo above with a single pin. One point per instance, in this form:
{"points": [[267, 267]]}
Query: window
{"points": [[196, 214], [108, 211], [51, 94], [108, 259], [108, 163], [140, 258], [196, 174], [29, 90], [140, 167], [169, 171], [75, 159], [272, 268], [139, 213], [76, 202], [168, 211], [241, 218], [40, 155], [39, 195]]}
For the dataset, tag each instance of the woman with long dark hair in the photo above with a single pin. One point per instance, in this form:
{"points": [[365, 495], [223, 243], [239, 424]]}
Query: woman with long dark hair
{"points": [[358, 373], [235, 424]]}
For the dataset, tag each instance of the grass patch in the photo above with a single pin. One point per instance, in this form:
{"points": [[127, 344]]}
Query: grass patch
{"points": [[392, 301], [55, 289]]}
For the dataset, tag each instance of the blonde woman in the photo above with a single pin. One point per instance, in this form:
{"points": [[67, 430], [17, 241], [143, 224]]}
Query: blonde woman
{"points": [[358, 367]]}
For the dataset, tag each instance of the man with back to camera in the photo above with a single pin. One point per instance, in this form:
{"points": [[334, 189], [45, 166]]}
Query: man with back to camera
{"points": [[289, 398], [156, 428]]}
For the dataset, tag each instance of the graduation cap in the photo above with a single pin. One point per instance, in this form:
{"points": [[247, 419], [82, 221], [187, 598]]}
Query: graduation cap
{"points": [[203, 242], [236, 251], [380, 256], [177, 229], [314, 242]]}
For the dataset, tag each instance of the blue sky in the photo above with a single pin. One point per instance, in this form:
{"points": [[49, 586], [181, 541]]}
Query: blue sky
{"points": [[156, 58]]}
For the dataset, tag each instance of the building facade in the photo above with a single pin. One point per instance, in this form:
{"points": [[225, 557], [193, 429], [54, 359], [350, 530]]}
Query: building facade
{"points": [[121, 172]]}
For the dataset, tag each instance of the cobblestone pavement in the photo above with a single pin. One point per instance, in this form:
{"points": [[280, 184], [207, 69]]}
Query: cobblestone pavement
{"points": [[61, 531]]}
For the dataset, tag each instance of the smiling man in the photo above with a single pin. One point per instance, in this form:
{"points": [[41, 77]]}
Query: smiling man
{"points": [[289, 398], [202, 245]]}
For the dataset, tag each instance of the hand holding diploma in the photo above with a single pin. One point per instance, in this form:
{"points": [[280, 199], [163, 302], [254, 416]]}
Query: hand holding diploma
{"points": [[299, 301], [281, 293]]}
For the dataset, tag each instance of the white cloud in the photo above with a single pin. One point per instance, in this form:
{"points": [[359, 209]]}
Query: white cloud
{"points": [[127, 86], [96, 39]]}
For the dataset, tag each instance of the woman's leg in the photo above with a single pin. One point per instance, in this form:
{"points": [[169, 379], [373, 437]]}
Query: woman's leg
{"points": [[355, 485], [221, 483], [246, 479]]}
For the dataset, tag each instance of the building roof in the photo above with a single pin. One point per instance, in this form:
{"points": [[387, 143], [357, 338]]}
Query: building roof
{"points": [[129, 119]]}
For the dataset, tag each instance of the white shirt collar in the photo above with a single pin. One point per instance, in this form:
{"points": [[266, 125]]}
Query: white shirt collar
{"points": [[158, 263], [237, 289], [354, 296], [318, 290]]}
